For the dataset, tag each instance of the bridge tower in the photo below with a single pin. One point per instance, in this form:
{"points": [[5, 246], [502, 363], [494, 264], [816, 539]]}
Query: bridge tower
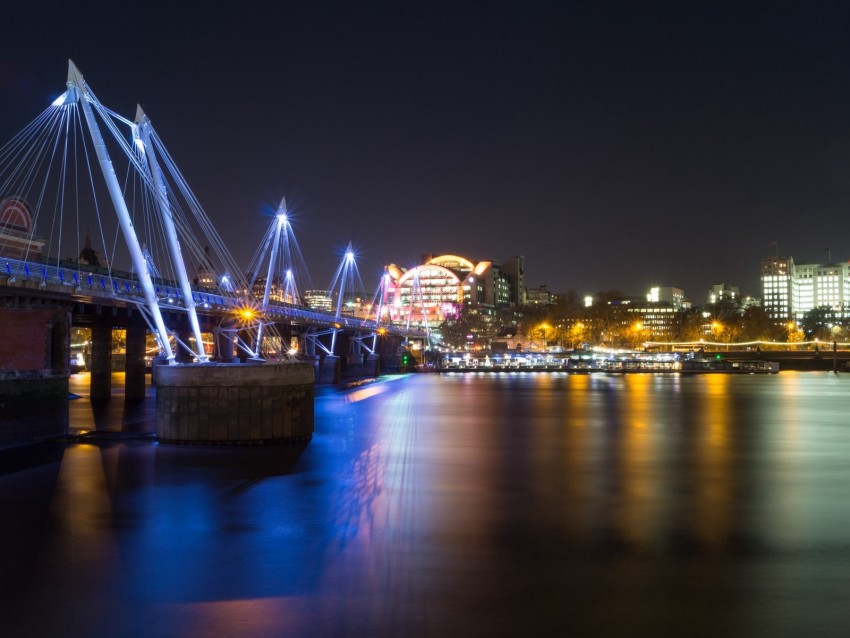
{"points": [[79, 93], [141, 133]]}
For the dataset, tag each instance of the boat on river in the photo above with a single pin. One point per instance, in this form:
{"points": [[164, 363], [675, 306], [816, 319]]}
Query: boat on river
{"points": [[607, 361]]}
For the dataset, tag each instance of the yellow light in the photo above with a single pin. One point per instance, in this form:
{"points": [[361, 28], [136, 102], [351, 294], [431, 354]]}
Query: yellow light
{"points": [[246, 314]]}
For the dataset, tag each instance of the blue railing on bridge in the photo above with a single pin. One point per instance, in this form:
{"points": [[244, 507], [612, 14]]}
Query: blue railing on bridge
{"points": [[123, 286]]}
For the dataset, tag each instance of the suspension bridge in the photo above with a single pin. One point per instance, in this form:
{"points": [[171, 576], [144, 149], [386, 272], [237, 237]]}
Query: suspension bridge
{"points": [[79, 166], [98, 227]]}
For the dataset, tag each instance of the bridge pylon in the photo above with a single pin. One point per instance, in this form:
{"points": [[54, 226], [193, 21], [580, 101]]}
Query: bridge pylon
{"points": [[141, 133], [79, 93]]}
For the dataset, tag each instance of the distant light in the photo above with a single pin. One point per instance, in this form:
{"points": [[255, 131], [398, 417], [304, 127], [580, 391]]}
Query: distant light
{"points": [[289, 274], [349, 255], [281, 219]]}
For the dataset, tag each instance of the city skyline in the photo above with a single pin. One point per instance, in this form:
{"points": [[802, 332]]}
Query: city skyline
{"points": [[615, 147]]}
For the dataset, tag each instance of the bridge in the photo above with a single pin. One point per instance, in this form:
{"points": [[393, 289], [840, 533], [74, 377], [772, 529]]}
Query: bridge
{"points": [[155, 265]]}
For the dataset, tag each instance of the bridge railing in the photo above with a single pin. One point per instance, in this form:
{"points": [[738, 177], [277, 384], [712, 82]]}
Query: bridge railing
{"points": [[101, 283]]}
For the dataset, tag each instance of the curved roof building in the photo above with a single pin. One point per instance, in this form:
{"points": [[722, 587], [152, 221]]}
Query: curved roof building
{"points": [[434, 290]]}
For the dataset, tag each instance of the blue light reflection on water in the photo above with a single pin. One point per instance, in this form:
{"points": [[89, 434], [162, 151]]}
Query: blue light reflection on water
{"points": [[448, 504]]}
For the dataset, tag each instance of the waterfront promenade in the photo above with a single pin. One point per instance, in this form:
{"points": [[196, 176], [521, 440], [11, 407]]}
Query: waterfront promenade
{"points": [[450, 505]]}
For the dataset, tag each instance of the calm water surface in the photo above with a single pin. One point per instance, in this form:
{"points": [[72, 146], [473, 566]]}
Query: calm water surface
{"points": [[451, 505]]}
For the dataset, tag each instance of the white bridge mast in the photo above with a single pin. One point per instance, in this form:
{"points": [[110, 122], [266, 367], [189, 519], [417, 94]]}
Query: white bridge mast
{"points": [[142, 129], [280, 221], [79, 91]]}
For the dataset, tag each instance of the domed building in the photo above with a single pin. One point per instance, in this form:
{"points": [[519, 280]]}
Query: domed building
{"points": [[436, 289], [17, 232]]}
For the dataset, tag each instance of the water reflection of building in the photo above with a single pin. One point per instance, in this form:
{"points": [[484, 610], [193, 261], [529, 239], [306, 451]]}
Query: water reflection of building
{"points": [[17, 233]]}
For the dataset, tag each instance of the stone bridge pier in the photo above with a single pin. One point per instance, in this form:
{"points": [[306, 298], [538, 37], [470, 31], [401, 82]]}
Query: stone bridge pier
{"points": [[35, 358]]}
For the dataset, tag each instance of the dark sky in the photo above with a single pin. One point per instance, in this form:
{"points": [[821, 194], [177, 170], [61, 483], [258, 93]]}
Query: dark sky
{"points": [[615, 145]]}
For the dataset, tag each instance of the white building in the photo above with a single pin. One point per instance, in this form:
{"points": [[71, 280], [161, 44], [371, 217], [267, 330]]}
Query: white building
{"points": [[790, 290]]}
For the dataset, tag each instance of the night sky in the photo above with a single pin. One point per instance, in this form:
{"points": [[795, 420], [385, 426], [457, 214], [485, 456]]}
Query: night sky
{"points": [[616, 146]]}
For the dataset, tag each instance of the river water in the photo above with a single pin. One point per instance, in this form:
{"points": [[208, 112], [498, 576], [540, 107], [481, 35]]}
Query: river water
{"points": [[505, 504]]}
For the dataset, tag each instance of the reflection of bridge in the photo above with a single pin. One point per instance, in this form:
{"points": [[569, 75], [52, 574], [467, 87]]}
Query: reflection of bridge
{"points": [[161, 276]]}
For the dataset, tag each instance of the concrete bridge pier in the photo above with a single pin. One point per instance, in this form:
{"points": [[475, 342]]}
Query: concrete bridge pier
{"points": [[182, 355], [233, 404], [134, 365], [100, 361], [308, 346], [223, 346], [372, 365], [285, 332], [328, 369], [247, 338], [34, 367]]}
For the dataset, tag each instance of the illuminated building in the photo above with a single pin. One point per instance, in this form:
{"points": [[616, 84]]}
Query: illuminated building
{"points": [[791, 290], [721, 292], [434, 290], [17, 239], [659, 317], [776, 273], [514, 268], [356, 304], [321, 300], [206, 275], [277, 292], [539, 296]]}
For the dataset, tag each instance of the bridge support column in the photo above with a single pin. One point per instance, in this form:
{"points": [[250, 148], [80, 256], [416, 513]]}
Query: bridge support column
{"points": [[308, 346], [372, 364], [235, 404], [101, 359], [224, 345], [285, 332], [246, 338], [134, 365], [329, 370], [34, 358], [183, 356]]}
